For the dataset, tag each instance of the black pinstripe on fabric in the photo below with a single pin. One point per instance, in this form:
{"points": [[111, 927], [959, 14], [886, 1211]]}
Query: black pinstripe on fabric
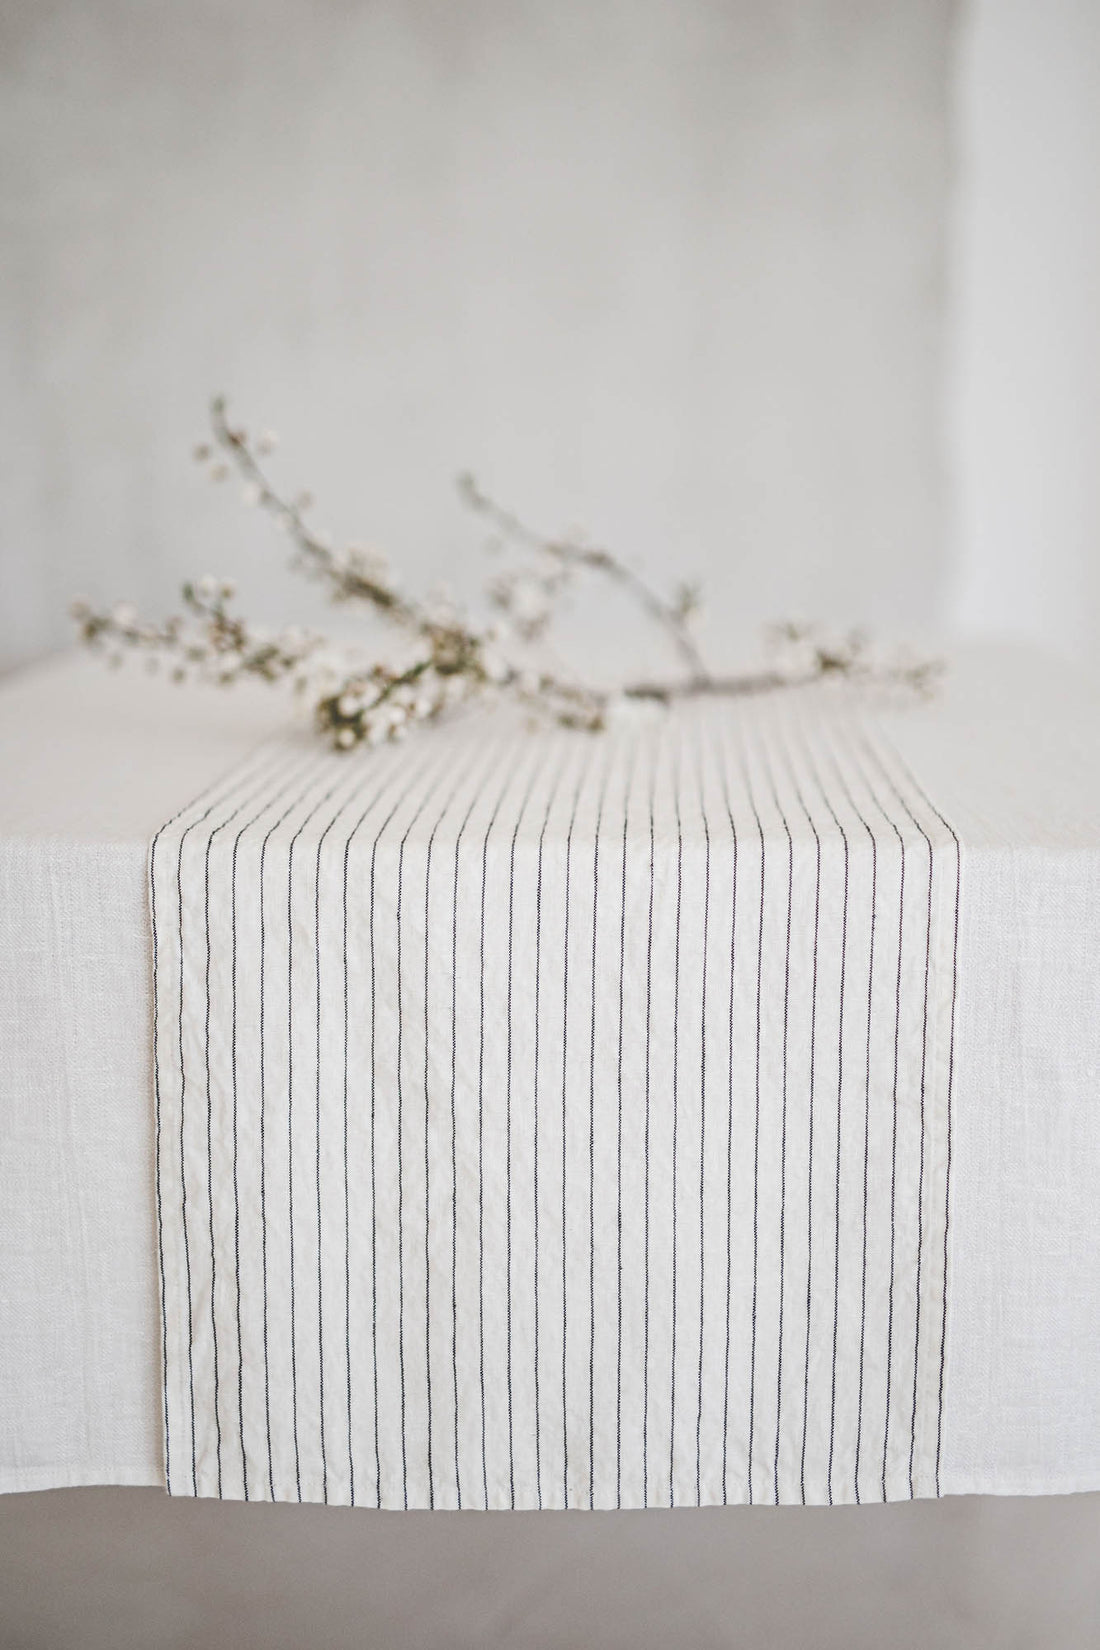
{"points": [[920, 1180], [564, 1142], [234, 779], [947, 1169], [317, 1170], [893, 1172], [317, 1166], [292, 1279], [159, 1189], [428, 1172], [950, 1100], [183, 1182], [268, 801], [923, 1107], [756, 1106], [236, 1181], [950, 1069], [675, 1127], [535, 1132], [846, 849], [374, 1159], [347, 1189], [183, 1164], [592, 1155], [209, 1129], [427, 1152], [263, 1173], [866, 1165], [645, 1154], [429, 793], [481, 1134], [313, 768], [729, 1119], [811, 1097], [398, 995], [887, 816], [412, 778], [210, 1172], [342, 778], [867, 1105], [210, 1148], [619, 1149], [417, 773], [399, 999], [785, 1069], [454, 1151], [508, 1141], [702, 1130], [454, 1143]]}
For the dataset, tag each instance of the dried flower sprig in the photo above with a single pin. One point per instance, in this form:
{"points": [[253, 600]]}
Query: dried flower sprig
{"points": [[442, 659], [207, 642]]}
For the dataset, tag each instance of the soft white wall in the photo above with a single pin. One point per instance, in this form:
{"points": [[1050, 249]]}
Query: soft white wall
{"points": [[673, 269], [1026, 323]]}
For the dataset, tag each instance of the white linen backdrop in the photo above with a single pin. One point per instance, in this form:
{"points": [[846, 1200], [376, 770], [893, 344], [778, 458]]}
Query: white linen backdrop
{"points": [[673, 270], [797, 297]]}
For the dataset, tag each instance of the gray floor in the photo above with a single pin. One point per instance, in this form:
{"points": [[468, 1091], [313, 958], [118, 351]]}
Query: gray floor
{"points": [[115, 1568]]}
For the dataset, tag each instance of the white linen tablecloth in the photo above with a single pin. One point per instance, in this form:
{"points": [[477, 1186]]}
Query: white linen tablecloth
{"points": [[1005, 1399]]}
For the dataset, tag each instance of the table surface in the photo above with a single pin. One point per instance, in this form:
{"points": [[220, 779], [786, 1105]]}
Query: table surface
{"points": [[1010, 744]]}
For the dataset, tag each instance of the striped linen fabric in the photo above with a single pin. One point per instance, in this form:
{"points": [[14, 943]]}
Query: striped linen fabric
{"points": [[547, 1120]]}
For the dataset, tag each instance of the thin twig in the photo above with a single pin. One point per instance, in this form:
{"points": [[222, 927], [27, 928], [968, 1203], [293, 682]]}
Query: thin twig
{"points": [[569, 552]]}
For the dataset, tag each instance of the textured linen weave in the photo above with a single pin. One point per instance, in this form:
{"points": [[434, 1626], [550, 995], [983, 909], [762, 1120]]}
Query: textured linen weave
{"points": [[555, 1121]]}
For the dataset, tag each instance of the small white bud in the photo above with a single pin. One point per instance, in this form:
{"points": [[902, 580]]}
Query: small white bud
{"points": [[494, 666]]}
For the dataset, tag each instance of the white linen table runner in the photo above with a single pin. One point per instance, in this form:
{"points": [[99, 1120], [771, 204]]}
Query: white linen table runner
{"points": [[556, 1121]]}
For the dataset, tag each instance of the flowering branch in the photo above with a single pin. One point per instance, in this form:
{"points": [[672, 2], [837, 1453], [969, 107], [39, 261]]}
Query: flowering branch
{"points": [[442, 660]]}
